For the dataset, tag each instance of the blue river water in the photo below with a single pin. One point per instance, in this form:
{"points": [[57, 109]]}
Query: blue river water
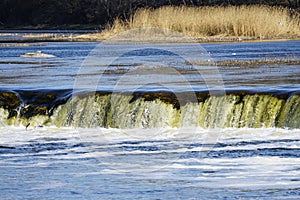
{"points": [[159, 163], [72, 59], [52, 163]]}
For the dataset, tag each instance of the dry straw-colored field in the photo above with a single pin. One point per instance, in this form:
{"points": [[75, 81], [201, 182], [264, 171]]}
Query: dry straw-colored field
{"points": [[262, 22]]}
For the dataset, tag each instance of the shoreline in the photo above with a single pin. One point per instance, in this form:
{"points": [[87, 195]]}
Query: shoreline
{"points": [[96, 37], [174, 24]]}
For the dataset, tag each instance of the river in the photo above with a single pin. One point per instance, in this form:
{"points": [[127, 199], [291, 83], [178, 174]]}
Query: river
{"points": [[145, 121]]}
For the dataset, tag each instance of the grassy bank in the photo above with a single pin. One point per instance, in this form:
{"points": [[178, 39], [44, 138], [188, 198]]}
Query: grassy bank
{"points": [[248, 22]]}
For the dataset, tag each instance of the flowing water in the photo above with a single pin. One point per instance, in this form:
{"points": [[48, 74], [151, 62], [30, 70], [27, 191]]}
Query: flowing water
{"points": [[112, 121]]}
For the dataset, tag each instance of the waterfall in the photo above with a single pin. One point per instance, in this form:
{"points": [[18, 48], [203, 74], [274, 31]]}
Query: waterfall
{"points": [[150, 110]]}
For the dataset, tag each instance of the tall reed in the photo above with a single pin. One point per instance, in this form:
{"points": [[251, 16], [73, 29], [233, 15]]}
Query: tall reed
{"points": [[236, 21]]}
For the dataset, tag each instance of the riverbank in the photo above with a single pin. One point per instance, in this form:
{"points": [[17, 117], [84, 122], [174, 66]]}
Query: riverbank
{"points": [[211, 24], [98, 37], [201, 24]]}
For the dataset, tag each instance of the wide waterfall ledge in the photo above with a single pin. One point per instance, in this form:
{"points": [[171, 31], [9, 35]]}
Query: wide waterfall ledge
{"points": [[63, 108]]}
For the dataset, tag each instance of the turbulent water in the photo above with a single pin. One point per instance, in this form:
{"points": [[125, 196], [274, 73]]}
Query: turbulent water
{"points": [[53, 163], [101, 121], [150, 109]]}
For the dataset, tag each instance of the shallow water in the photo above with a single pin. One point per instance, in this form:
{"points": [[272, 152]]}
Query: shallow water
{"points": [[157, 163], [107, 65], [25, 35]]}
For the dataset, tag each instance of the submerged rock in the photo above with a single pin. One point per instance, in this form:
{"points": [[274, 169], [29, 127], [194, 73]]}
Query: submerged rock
{"points": [[37, 54]]}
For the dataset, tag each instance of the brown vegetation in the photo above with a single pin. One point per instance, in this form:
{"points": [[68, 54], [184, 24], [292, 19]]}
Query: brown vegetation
{"points": [[252, 22], [78, 14]]}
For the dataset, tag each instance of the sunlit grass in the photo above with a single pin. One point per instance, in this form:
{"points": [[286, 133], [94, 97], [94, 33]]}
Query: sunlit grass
{"points": [[233, 21]]}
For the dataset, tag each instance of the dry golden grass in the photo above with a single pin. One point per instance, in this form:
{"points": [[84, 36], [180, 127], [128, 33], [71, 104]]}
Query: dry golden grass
{"points": [[242, 21]]}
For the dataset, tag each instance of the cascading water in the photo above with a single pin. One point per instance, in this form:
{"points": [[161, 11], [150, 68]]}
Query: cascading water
{"points": [[149, 110]]}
